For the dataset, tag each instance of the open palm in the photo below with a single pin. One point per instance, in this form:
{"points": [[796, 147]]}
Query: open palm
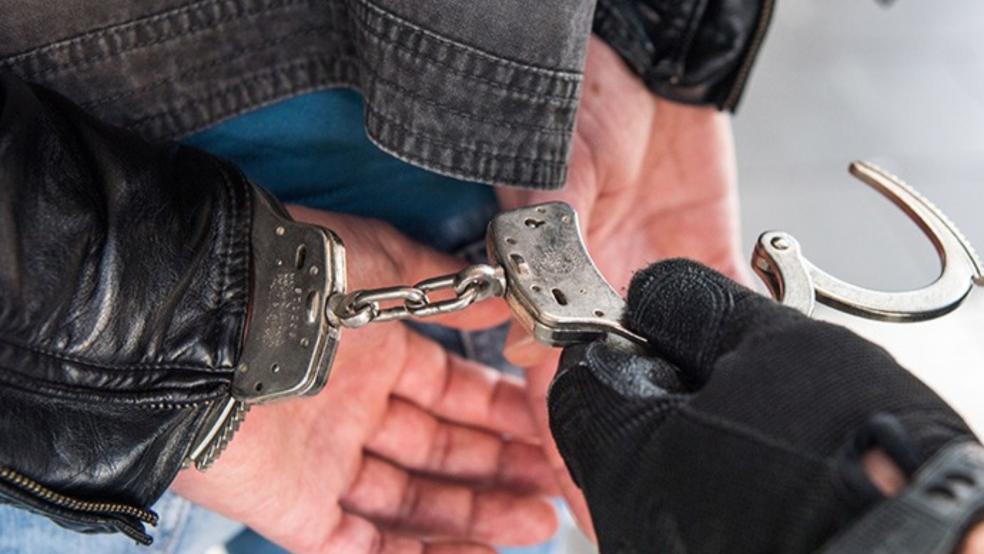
{"points": [[650, 180], [408, 449]]}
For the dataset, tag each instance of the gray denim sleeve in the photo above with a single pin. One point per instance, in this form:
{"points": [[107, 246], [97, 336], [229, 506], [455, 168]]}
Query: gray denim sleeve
{"points": [[485, 91]]}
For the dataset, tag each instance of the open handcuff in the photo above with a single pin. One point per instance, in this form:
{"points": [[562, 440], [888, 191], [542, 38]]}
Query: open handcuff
{"points": [[540, 265]]}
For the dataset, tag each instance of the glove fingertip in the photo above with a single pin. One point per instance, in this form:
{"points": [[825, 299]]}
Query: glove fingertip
{"points": [[683, 308]]}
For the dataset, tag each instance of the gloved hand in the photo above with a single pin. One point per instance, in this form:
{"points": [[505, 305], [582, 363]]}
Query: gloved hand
{"points": [[743, 431]]}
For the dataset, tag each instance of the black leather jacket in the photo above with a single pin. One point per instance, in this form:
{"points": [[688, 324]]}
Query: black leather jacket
{"points": [[124, 283], [126, 265]]}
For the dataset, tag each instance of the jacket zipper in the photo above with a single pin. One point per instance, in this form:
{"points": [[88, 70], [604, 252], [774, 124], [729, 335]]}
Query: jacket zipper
{"points": [[746, 67], [31, 486]]}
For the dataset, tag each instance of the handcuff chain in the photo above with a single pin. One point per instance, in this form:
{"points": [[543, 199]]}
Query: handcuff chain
{"points": [[470, 285]]}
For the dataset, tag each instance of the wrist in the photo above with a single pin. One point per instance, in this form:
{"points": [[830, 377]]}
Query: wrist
{"points": [[973, 542]]}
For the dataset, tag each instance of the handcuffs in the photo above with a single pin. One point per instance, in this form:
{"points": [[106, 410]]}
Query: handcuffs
{"points": [[540, 265]]}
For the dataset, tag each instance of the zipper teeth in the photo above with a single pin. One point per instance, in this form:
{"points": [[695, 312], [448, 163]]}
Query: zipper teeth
{"points": [[746, 67], [961, 238], [32, 486]]}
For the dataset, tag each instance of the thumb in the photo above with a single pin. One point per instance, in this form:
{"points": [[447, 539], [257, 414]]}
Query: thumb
{"points": [[692, 315]]}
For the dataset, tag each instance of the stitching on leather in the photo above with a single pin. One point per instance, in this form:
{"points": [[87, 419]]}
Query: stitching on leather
{"points": [[553, 73], [238, 248], [517, 92], [38, 387], [507, 123], [222, 249], [202, 67], [534, 162], [71, 358], [136, 24]]}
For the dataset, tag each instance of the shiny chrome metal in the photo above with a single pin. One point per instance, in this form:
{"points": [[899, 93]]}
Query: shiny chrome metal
{"points": [[796, 282], [470, 285], [553, 286], [220, 426], [290, 343]]}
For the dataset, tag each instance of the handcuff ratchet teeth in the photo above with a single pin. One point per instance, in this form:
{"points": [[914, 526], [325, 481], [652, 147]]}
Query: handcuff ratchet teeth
{"points": [[795, 281], [541, 266]]}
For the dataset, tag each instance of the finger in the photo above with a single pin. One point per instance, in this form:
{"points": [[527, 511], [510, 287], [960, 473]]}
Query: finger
{"points": [[580, 190], [692, 315], [884, 472], [355, 534], [415, 439], [463, 391], [393, 497], [522, 350], [538, 383], [378, 255]]}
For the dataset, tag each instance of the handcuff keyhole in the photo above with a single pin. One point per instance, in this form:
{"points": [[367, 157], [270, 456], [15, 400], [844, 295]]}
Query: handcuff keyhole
{"points": [[313, 306], [300, 256], [559, 296], [520, 263]]}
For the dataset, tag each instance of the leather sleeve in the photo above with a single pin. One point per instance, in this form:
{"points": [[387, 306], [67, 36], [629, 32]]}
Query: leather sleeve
{"points": [[124, 283], [690, 51]]}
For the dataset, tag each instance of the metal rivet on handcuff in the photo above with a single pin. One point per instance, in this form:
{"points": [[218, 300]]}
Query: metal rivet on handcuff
{"points": [[541, 266]]}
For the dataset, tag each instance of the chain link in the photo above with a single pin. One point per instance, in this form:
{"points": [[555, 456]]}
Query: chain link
{"points": [[470, 285]]}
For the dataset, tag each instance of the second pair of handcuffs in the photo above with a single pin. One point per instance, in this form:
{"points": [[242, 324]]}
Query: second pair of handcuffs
{"points": [[540, 265]]}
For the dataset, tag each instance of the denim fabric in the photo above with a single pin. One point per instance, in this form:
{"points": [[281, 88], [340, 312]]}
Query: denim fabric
{"points": [[312, 150], [566, 541], [481, 90], [184, 528]]}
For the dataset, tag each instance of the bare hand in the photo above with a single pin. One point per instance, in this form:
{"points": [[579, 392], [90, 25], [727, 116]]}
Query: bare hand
{"points": [[650, 180], [408, 449]]}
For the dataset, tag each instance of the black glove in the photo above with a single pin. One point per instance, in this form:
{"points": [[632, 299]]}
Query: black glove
{"points": [[743, 431], [124, 284]]}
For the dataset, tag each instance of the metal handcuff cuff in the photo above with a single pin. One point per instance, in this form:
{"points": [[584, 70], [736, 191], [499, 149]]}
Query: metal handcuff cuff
{"points": [[540, 265]]}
